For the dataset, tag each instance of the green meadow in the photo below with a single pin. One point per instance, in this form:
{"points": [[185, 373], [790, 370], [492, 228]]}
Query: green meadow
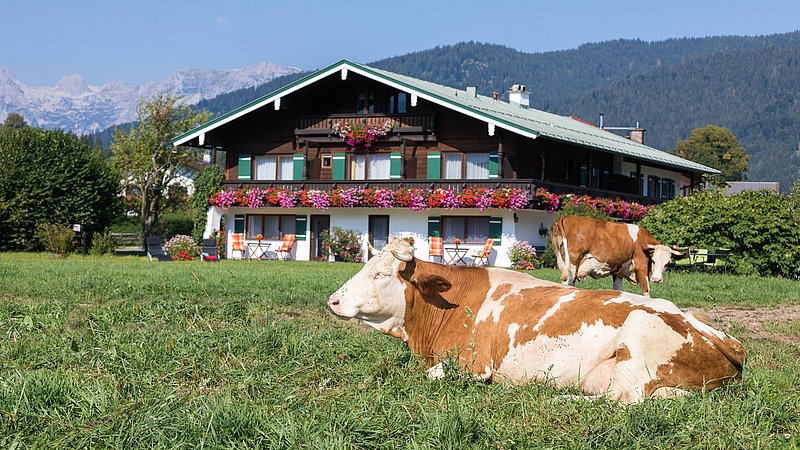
{"points": [[117, 352]]}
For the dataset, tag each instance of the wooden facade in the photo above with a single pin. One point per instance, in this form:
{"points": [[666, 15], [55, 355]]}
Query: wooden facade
{"points": [[301, 129]]}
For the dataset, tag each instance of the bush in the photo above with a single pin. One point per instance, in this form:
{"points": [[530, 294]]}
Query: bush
{"points": [[173, 224], [58, 239], [49, 176], [102, 244], [181, 247], [523, 256], [206, 183], [757, 226], [343, 243], [548, 257]]}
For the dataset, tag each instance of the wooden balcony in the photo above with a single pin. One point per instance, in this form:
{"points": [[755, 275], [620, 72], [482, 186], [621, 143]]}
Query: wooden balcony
{"points": [[406, 126]]}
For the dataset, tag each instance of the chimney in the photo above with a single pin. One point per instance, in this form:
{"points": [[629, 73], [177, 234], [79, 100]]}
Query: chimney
{"points": [[637, 135], [472, 91], [519, 95]]}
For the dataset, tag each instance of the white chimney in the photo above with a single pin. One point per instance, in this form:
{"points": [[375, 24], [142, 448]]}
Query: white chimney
{"points": [[472, 91], [519, 95]]}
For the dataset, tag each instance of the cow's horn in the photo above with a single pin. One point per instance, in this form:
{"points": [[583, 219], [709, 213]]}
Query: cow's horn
{"points": [[405, 257], [372, 250]]}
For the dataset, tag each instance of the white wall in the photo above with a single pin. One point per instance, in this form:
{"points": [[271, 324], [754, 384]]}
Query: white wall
{"points": [[402, 223], [527, 228], [661, 173]]}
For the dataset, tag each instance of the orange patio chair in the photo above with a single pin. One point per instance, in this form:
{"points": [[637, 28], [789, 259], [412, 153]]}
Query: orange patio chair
{"points": [[481, 257], [237, 245], [435, 248], [286, 247]]}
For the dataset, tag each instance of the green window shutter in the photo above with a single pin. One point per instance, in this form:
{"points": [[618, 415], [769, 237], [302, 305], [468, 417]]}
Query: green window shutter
{"points": [[300, 225], [338, 166], [238, 223], [396, 160], [434, 226], [496, 229], [434, 165], [245, 167], [493, 163], [299, 161]]}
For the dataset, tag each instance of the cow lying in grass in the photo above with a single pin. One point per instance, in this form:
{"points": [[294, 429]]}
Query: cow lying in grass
{"points": [[508, 326], [597, 248]]}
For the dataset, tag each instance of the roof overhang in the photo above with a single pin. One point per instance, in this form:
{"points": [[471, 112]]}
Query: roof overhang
{"points": [[342, 67]]}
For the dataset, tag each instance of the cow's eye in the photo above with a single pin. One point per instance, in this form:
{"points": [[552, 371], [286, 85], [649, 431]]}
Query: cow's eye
{"points": [[378, 275]]}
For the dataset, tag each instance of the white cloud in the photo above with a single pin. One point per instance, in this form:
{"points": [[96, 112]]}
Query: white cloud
{"points": [[220, 21]]}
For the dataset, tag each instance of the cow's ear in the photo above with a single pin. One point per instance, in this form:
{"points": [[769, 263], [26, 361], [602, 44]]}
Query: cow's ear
{"points": [[648, 248], [431, 284]]}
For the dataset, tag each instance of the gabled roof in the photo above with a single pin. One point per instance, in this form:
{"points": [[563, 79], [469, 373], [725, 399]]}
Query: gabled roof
{"points": [[527, 122]]}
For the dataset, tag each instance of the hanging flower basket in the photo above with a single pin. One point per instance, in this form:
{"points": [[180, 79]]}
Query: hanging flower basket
{"points": [[356, 136]]}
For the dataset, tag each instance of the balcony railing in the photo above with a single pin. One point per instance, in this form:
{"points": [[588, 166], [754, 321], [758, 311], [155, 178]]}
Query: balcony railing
{"points": [[423, 124], [456, 186]]}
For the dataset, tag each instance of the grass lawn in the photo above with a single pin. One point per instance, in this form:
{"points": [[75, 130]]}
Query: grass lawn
{"points": [[117, 352]]}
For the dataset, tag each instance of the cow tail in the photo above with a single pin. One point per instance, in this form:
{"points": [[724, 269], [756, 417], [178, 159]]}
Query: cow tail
{"points": [[560, 249]]}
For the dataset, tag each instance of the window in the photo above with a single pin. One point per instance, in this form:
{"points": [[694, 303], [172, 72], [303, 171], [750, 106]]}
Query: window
{"points": [[370, 167], [583, 175], [358, 167], [667, 188], [378, 167], [270, 226], [365, 104], [326, 161], [472, 166], [287, 168], [468, 229], [398, 103], [653, 186], [452, 166], [272, 167], [477, 166]]}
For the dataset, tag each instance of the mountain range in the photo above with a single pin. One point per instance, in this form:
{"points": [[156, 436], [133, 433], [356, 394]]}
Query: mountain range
{"points": [[74, 105]]}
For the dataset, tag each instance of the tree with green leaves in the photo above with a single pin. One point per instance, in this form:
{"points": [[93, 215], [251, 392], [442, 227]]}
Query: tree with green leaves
{"points": [[715, 147], [50, 177], [14, 120], [147, 159]]}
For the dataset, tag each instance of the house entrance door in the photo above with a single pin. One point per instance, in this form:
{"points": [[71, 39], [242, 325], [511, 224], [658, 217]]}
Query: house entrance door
{"points": [[378, 231], [319, 223]]}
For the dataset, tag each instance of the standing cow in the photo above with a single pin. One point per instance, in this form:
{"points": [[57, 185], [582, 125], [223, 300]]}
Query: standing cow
{"points": [[598, 248], [508, 326]]}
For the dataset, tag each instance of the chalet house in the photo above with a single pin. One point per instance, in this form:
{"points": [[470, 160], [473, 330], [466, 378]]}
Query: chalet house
{"points": [[473, 164]]}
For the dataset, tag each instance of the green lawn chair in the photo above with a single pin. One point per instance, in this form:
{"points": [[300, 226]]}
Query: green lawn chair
{"points": [[699, 257], [718, 261], [684, 262]]}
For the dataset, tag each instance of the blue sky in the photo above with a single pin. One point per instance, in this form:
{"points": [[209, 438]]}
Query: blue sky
{"points": [[146, 40]]}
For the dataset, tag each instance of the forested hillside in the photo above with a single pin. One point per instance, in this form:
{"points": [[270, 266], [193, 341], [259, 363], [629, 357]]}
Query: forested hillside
{"points": [[748, 84], [755, 93]]}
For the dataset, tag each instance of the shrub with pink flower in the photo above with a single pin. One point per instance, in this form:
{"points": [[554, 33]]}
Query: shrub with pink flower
{"points": [[523, 256], [181, 247]]}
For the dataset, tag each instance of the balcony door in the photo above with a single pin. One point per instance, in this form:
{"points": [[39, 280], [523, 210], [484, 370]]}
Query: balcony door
{"points": [[378, 231], [319, 223]]}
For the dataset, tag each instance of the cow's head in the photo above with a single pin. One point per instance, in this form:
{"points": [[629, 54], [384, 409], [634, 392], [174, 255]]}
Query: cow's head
{"points": [[659, 256], [379, 293]]}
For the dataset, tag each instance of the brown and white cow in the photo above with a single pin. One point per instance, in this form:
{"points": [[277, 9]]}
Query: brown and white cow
{"points": [[508, 326], [597, 248]]}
